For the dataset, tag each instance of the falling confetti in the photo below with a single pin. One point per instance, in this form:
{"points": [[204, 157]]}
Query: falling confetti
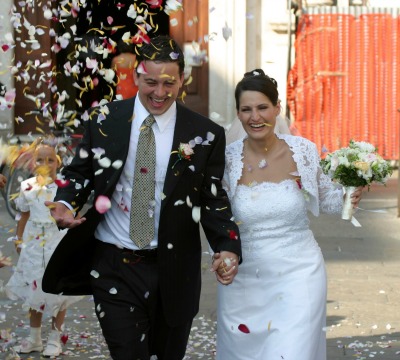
{"points": [[244, 329], [102, 204]]}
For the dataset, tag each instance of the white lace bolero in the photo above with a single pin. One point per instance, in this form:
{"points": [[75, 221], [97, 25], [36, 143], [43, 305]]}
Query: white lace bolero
{"points": [[324, 195]]}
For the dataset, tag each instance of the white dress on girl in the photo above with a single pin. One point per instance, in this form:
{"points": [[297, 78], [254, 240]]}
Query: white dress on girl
{"points": [[275, 308], [40, 238]]}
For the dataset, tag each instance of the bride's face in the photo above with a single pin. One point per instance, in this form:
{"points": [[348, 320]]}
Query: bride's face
{"points": [[257, 114]]}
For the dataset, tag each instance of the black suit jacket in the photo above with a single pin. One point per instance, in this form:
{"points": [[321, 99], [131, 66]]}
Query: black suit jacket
{"points": [[68, 271]]}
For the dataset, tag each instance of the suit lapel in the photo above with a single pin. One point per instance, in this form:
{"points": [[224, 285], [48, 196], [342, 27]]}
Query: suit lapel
{"points": [[183, 134], [120, 124]]}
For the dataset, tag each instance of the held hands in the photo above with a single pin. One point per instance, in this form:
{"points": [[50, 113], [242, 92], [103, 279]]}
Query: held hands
{"points": [[225, 266], [63, 216]]}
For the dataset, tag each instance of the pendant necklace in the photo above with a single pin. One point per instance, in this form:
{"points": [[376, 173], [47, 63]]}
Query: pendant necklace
{"points": [[262, 164]]}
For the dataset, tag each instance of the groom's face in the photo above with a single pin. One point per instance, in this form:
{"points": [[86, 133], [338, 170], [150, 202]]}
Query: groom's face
{"points": [[159, 85]]}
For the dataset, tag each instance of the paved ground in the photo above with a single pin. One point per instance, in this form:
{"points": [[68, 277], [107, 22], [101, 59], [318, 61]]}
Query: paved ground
{"points": [[363, 318]]}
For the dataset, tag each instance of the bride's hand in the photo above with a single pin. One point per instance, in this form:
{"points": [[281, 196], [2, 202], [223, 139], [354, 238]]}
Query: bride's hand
{"points": [[225, 266], [356, 196]]}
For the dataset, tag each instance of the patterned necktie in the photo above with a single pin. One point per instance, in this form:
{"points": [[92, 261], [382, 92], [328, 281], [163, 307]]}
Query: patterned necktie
{"points": [[141, 227]]}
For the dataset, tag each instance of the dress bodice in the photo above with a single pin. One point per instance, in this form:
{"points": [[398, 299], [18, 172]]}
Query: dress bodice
{"points": [[271, 207], [323, 195], [272, 212]]}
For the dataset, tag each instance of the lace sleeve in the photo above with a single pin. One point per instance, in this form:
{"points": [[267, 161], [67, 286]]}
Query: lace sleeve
{"points": [[325, 196], [233, 167], [330, 194]]}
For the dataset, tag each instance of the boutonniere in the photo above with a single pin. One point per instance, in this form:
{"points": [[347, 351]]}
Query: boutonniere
{"points": [[185, 151]]}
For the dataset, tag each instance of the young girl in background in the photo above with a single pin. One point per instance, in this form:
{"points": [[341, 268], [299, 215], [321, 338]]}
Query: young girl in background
{"points": [[37, 237]]}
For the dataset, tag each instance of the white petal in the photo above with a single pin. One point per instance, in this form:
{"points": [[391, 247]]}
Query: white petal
{"points": [[105, 162], [179, 202], [188, 202], [196, 214], [95, 274], [213, 189], [210, 136], [117, 164], [113, 291]]}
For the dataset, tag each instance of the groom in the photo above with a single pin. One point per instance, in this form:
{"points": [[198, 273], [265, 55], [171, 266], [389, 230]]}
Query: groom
{"points": [[146, 296]]}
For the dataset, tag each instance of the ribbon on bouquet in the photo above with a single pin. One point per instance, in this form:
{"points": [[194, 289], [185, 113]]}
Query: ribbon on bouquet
{"points": [[356, 223]]}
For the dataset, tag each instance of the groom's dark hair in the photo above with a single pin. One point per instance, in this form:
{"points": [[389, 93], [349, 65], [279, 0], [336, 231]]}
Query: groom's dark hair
{"points": [[257, 80], [161, 49]]}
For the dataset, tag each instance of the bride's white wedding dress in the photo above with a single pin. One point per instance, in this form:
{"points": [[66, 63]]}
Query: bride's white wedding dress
{"points": [[275, 307]]}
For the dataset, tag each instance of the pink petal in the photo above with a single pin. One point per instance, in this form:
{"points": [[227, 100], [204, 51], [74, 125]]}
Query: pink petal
{"points": [[10, 95], [103, 204], [141, 69]]}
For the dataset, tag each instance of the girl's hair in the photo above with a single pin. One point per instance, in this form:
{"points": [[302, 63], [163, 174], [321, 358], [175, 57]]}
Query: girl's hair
{"points": [[22, 156], [49, 141], [257, 80], [161, 49]]}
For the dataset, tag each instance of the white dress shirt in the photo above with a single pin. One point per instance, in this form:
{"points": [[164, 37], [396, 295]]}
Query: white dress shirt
{"points": [[114, 228]]}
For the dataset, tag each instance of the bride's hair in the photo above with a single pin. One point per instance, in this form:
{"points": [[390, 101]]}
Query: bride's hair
{"points": [[257, 80]]}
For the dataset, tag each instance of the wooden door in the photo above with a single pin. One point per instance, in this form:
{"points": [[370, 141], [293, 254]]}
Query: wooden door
{"points": [[31, 79], [193, 27]]}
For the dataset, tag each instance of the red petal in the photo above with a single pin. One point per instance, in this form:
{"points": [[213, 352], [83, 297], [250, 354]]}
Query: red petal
{"points": [[61, 183], [144, 170], [64, 338], [244, 329], [5, 47], [233, 235]]}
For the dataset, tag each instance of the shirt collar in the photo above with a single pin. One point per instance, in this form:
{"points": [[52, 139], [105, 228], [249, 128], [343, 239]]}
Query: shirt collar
{"points": [[162, 120]]}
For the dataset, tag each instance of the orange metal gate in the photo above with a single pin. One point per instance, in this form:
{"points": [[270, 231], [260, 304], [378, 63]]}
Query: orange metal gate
{"points": [[345, 81]]}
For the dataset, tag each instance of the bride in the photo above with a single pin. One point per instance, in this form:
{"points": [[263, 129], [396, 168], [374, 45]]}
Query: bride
{"points": [[275, 307]]}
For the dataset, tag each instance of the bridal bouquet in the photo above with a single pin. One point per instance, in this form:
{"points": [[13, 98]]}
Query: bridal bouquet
{"points": [[359, 164]]}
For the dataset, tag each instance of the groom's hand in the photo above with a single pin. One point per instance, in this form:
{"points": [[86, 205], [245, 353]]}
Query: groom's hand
{"points": [[63, 216], [225, 266]]}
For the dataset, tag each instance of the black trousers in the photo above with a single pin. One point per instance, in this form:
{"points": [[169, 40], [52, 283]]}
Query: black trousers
{"points": [[128, 306]]}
